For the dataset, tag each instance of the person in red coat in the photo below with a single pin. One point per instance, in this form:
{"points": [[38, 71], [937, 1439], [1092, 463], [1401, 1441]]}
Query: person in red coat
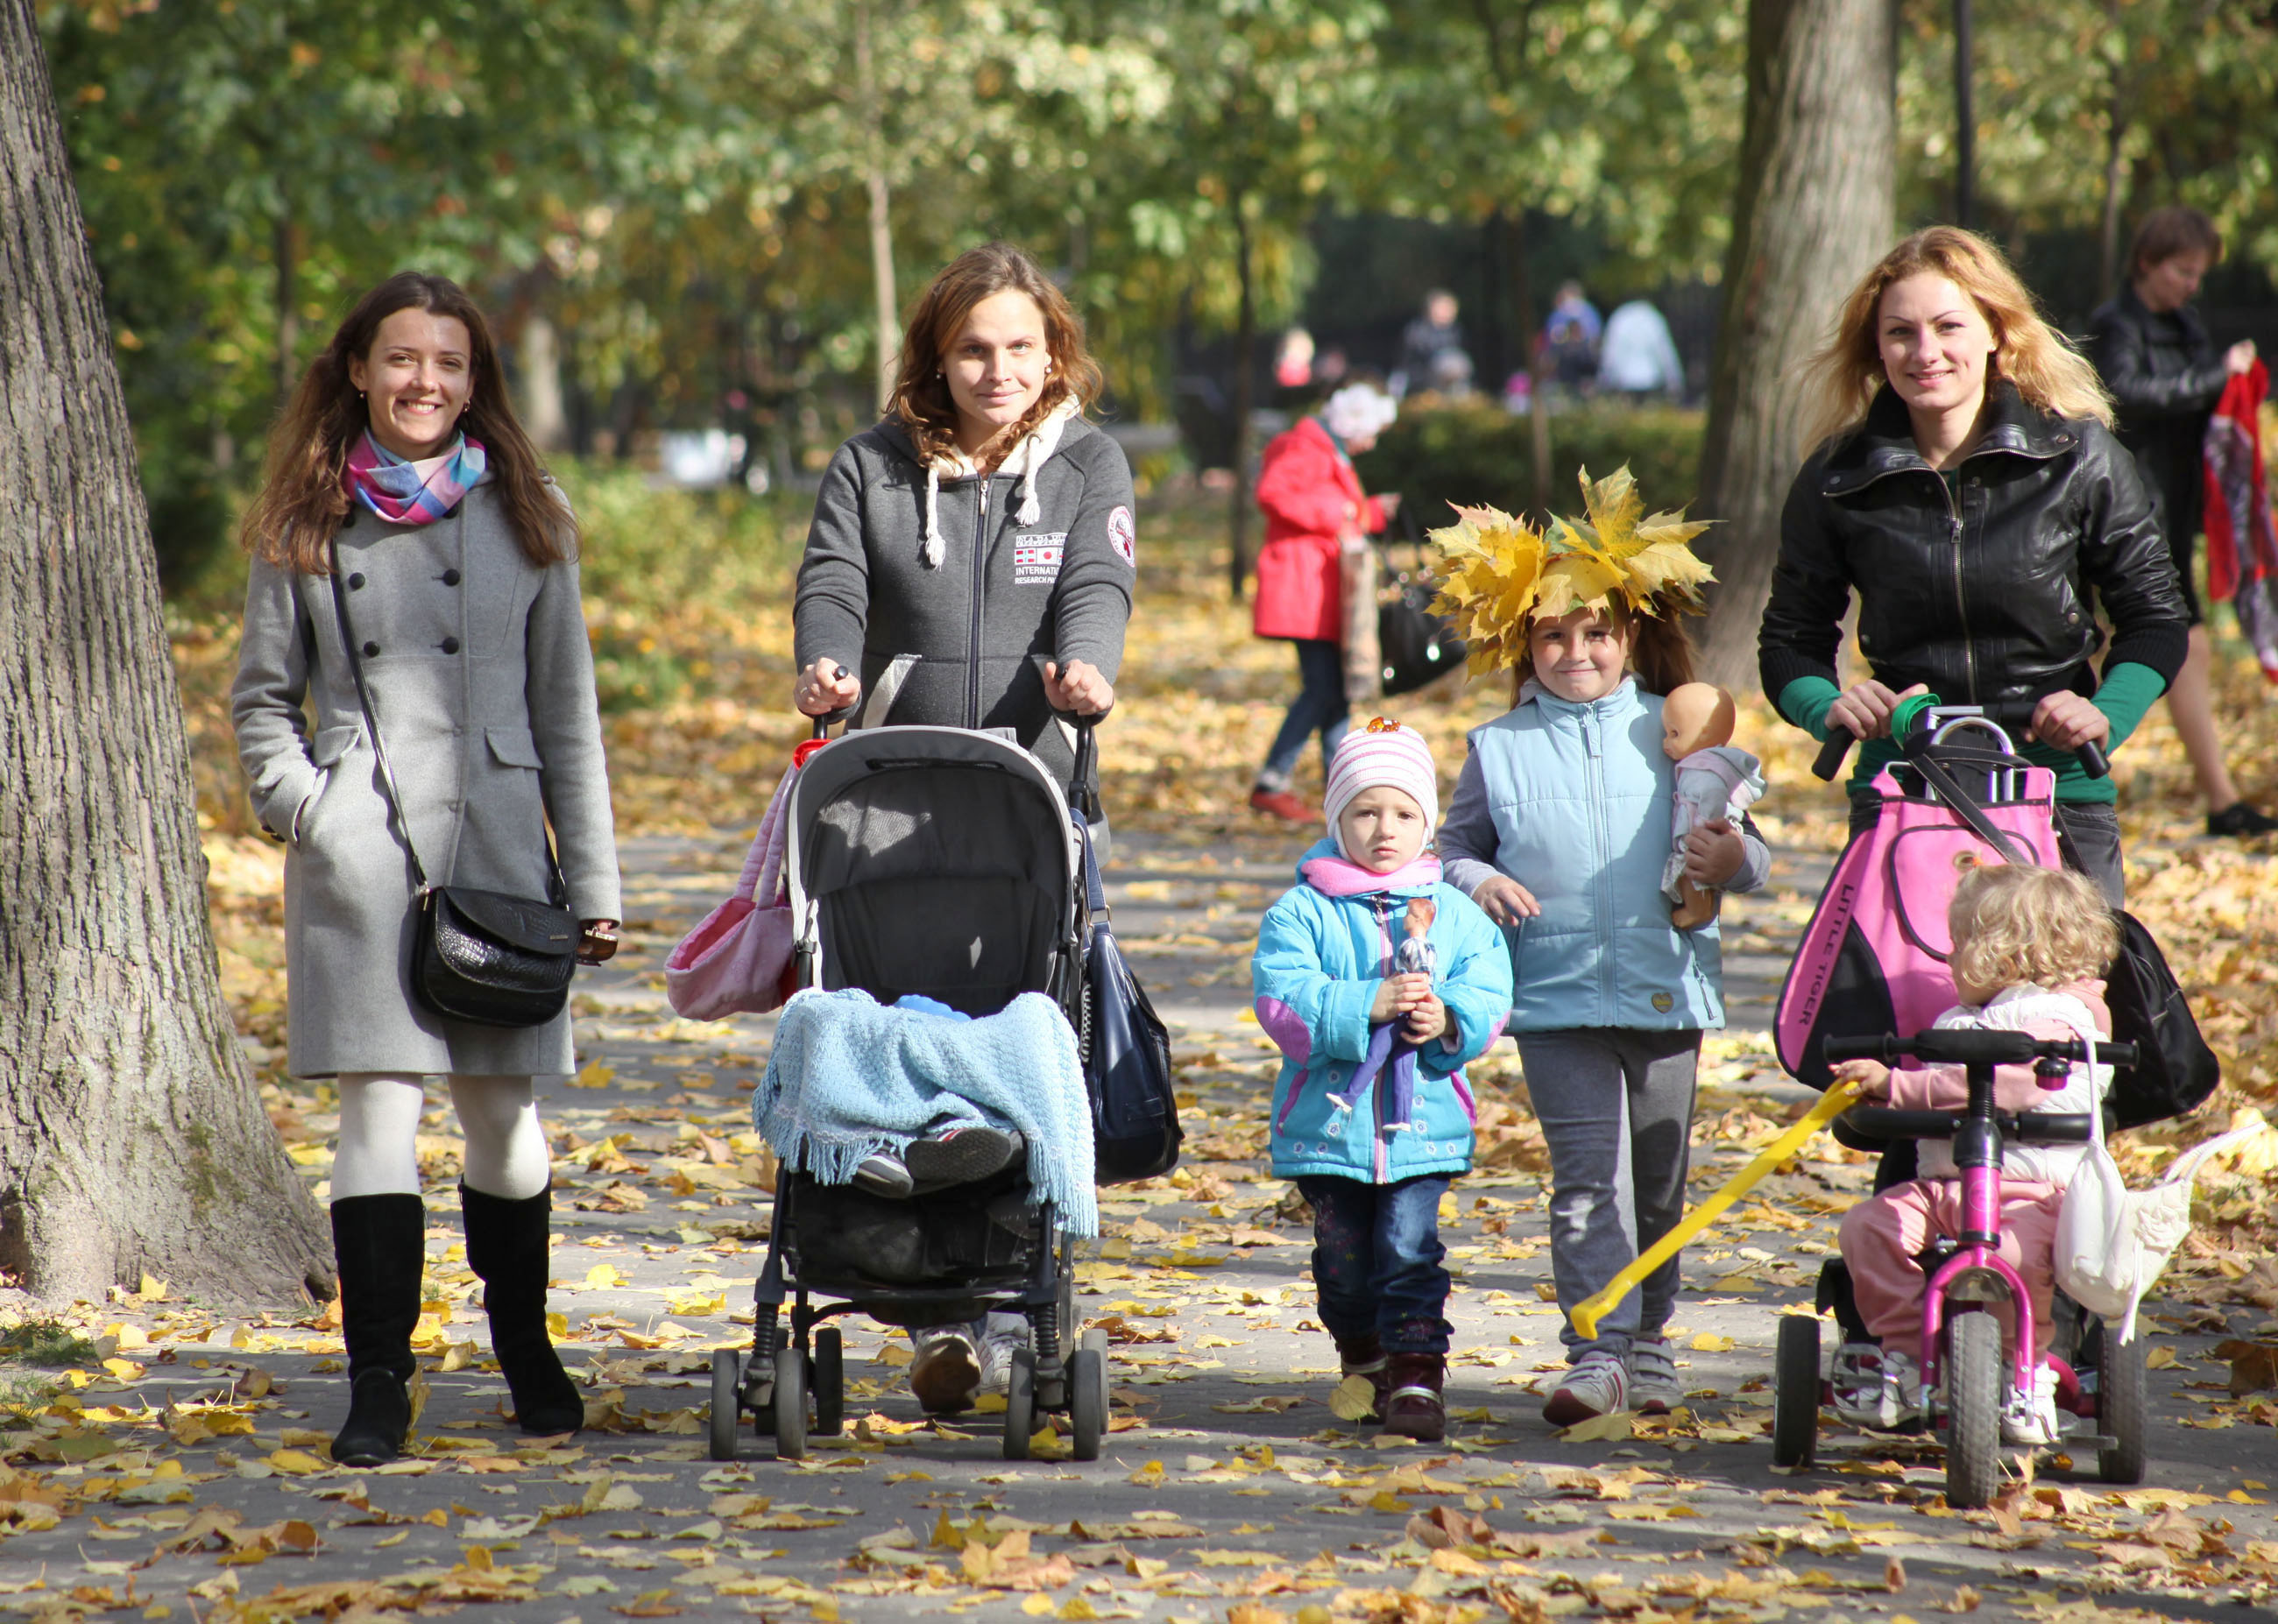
{"points": [[1312, 498]]}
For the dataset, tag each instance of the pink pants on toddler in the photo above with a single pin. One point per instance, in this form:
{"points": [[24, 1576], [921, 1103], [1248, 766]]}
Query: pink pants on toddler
{"points": [[1881, 1236]]}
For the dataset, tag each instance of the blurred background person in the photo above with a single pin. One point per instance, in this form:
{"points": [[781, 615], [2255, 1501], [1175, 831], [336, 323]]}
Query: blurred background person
{"points": [[1636, 356], [1293, 361], [1429, 337], [1312, 498], [1571, 335], [2165, 374]]}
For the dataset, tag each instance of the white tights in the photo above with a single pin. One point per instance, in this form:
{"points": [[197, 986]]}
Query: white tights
{"points": [[507, 1154]]}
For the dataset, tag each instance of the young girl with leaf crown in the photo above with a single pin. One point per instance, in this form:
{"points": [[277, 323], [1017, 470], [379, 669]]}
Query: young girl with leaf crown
{"points": [[1559, 830]]}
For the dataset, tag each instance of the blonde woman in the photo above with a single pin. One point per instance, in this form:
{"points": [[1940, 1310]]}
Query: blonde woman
{"points": [[1964, 483]]}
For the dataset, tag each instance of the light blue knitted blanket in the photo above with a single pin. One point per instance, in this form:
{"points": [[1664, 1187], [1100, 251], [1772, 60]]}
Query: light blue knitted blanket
{"points": [[850, 1077]]}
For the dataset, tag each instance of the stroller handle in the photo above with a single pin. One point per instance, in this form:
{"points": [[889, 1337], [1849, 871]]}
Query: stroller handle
{"points": [[1967, 1047], [2013, 718]]}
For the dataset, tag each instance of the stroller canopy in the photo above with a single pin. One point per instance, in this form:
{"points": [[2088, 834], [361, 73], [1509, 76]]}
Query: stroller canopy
{"points": [[936, 861]]}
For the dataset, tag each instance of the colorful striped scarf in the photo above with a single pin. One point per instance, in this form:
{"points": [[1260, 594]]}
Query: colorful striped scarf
{"points": [[403, 492]]}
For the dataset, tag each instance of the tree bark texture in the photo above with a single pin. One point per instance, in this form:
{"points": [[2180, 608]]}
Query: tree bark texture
{"points": [[1245, 373], [1812, 212], [131, 1139]]}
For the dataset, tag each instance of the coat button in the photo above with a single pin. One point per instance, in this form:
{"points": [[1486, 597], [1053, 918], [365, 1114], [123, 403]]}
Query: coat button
{"points": [[356, 584], [450, 645], [450, 577], [371, 651]]}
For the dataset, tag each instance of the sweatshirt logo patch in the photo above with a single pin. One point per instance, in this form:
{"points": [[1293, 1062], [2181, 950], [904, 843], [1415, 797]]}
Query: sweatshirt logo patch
{"points": [[1123, 536], [1036, 559]]}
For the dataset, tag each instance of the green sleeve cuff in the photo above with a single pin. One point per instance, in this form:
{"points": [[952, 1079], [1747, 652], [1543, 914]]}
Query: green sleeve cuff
{"points": [[2125, 694], [1805, 700]]}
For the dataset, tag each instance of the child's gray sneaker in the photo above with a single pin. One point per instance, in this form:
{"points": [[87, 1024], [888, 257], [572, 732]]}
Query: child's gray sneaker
{"points": [[1653, 1384], [1597, 1386]]}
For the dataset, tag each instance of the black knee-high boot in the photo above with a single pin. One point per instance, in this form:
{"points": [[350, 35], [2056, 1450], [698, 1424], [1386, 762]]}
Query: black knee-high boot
{"points": [[381, 1245], [506, 1247]]}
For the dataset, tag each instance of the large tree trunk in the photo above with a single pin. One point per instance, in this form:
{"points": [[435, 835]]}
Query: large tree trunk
{"points": [[130, 1136], [1813, 211]]}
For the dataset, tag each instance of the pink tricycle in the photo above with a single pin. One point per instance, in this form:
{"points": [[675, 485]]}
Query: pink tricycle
{"points": [[1963, 1383]]}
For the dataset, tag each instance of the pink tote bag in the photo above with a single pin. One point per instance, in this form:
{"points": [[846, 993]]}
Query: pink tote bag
{"points": [[739, 961]]}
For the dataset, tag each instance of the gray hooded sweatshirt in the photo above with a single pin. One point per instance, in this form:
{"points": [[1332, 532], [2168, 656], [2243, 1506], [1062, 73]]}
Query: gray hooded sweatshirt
{"points": [[948, 591]]}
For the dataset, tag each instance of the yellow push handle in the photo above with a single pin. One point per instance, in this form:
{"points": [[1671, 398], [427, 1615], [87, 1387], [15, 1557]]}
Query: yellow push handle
{"points": [[1838, 1098]]}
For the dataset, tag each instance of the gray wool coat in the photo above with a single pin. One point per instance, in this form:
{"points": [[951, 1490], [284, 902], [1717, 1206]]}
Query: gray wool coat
{"points": [[482, 680]]}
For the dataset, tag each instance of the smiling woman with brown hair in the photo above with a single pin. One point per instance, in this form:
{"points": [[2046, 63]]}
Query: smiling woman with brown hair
{"points": [[414, 583]]}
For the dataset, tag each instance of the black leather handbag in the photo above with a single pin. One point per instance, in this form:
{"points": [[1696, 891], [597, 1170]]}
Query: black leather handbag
{"points": [[1417, 647], [488, 957], [1126, 1047]]}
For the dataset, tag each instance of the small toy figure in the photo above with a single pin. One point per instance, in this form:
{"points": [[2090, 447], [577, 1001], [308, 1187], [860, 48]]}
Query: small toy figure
{"points": [[1713, 781]]}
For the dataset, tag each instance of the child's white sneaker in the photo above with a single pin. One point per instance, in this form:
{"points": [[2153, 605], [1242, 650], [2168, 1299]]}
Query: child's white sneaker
{"points": [[1597, 1386], [1653, 1386], [2030, 1421], [1003, 1335]]}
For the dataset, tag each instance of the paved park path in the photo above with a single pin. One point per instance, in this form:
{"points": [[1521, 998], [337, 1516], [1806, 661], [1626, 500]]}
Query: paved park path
{"points": [[186, 1479]]}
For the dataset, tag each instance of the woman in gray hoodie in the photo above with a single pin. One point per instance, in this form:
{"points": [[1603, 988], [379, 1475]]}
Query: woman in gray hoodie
{"points": [[970, 565]]}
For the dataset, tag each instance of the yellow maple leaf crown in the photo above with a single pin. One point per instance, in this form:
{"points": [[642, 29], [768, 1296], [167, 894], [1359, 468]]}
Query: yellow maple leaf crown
{"points": [[1498, 572]]}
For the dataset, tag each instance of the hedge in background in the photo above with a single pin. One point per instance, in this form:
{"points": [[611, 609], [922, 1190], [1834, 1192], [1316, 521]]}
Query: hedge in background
{"points": [[1478, 453]]}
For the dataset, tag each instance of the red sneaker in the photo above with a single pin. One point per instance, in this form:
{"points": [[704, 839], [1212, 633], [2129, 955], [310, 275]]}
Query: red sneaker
{"points": [[1282, 804]]}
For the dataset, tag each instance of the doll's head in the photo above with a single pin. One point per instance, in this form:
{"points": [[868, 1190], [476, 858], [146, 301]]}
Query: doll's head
{"points": [[2016, 926], [1696, 716], [1383, 796]]}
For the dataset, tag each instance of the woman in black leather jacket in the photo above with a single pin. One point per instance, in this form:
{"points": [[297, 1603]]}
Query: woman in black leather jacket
{"points": [[2165, 375], [1967, 487]]}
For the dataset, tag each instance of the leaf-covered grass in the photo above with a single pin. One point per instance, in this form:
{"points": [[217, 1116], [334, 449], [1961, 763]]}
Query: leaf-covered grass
{"points": [[44, 1343]]}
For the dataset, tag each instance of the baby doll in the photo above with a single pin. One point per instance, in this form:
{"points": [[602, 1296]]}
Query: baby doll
{"points": [[1713, 781]]}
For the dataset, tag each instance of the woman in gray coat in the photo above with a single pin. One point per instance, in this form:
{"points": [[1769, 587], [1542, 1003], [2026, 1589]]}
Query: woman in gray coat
{"points": [[400, 464]]}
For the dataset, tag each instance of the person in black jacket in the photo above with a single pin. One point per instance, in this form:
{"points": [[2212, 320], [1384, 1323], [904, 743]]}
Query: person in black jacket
{"points": [[2166, 375], [1967, 487]]}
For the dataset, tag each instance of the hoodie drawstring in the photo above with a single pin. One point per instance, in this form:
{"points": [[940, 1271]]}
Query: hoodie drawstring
{"points": [[1031, 510], [933, 518]]}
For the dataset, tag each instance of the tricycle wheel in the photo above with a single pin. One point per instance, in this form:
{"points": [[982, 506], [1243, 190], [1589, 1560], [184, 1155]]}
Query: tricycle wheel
{"points": [[1019, 1403], [1976, 1378], [1795, 1392], [790, 1404], [2120, 1407], [829, 1381], [727, 1403]]}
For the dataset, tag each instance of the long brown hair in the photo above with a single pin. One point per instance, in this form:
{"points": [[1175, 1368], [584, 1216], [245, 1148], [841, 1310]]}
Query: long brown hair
{"points": [[1842, 378], [922, 399], [292, 521], [1661, 658]]}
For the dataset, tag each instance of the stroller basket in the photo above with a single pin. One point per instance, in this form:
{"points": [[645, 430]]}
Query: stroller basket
{"points": [[846, 1242]]}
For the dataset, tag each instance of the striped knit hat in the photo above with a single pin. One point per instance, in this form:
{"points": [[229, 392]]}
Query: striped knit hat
{"points": [[1382, 754]]}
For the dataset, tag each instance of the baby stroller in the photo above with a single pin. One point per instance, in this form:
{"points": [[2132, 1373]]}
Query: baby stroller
{"points": [[1962, 1359], [943, 862]]}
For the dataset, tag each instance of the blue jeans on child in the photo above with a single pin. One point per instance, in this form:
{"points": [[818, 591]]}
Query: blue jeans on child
{"points": [[1376, 1260], [1319, 707]]}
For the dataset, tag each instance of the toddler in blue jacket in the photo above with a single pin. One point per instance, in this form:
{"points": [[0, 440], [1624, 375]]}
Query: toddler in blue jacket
{"points": [[1379, 984]]}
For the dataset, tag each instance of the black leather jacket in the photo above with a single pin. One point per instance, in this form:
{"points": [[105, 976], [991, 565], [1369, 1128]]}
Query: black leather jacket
{"points": [[1983, 593], [2164, 375]]}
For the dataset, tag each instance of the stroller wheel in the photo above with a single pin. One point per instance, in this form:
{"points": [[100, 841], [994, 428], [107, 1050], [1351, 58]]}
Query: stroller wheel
{"points": [[1795, 1392], [2120, 1407], [1088, 1400], [790, 1404], [727, 1403], [1019, 1403], [1976, 1377], [829, 1381]]}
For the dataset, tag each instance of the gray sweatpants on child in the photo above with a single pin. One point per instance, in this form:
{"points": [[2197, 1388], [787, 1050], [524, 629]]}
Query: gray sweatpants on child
{"points": [[1616, 1106]]}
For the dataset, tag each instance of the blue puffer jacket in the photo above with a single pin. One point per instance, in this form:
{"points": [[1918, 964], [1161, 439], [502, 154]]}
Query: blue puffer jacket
{"points": [[1320, 959], [1581, 795]]}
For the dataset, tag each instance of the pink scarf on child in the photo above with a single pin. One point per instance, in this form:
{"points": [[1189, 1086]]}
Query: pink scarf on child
{"points": [[1336, 876]]}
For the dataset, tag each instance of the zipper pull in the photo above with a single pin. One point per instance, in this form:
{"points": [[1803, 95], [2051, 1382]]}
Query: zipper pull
{"points": [[1338, 1118]]}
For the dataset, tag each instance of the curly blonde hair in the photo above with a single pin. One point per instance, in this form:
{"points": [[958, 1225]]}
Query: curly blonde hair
{"points": [[1841, 380], [2014, 926]]}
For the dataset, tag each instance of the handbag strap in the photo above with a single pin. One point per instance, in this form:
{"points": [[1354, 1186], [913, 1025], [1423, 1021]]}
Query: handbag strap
{"points": [[557, 887], [371, 724], [1967, 807]]}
